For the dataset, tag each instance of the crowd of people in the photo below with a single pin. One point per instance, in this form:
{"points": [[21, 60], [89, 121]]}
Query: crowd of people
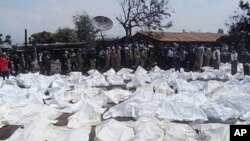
{"points": [[191, 58]]}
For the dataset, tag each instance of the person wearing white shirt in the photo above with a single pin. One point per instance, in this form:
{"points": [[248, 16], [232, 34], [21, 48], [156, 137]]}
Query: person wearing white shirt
{"points": [[234, 62]]}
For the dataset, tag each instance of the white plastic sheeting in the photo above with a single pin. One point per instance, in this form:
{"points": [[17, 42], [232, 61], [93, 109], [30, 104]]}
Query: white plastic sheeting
{"points": [[148, 128], [35, 101], [117, 95], [88, 115], [220, 112], [42, 130], [163, 88], [214, 132], [126, 74], [112, 130], [145, 102]]}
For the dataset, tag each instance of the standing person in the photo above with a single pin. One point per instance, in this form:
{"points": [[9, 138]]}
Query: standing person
{"points": [[107, 58], [64, 63], [200, 55], [234, 62], [246, 61], [16, 63], [46, 63], [126, 57], [150, 57], [191, 59], [216, 58], [113, 59], [224, 54], [101, 58], [177, 59], [183, 57], [4, 66], [84, 60], [73, 60], [136, 56], [118, 52], [30, 63], [208, 55], [92, 57], [143, 57], [22, 63], [40, 62], [170, 56], [79, 60]]}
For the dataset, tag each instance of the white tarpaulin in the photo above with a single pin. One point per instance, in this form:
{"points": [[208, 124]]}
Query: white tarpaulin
{"points": [[145, 102], [112, 130]]}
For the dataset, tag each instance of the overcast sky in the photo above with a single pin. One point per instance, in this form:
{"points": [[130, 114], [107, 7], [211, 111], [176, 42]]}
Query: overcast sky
{"points": [[48, 15]]}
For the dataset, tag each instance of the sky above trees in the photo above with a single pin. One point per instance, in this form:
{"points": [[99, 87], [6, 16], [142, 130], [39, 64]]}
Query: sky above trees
{"points": [[49, 15]]}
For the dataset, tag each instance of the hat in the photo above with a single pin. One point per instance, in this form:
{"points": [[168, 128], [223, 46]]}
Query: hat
{"points": [[66, 52], [126, 48]]}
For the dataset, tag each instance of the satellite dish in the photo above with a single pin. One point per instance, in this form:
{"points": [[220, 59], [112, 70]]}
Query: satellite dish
{"points": [[102, 23]]}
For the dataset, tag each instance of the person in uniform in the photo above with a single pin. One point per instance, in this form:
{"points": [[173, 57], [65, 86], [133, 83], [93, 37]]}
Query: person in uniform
{"points": [[92, 57], [64, 63], [143, 57], [234, 62], [136, 56], [216, 58], [118, 53], [107, 58], [16, 63], [22, 63], [73, 60], [46, 63], [113, 58]]}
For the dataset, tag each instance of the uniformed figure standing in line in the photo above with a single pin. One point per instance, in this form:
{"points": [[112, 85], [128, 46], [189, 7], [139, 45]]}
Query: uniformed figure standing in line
{"points": [[216, 58], [92, 57], [107, 58], [79, 60], [143, 57], [40, 63], [73, 60], [22, 63], [46, 60], [16, 63], [234, 62], [118, 53], [137, 56], [113, 59], [101, 57], [126, 57], [64, 63]]}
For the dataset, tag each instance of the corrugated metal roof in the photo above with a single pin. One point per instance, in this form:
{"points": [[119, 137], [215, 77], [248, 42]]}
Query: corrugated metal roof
{"points": [[183, 37]]}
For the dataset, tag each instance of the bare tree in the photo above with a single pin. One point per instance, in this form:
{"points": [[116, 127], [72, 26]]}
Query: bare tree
{"points": [[145, 14]]}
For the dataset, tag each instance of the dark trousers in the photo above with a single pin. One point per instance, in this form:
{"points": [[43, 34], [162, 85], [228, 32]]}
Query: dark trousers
{"points": [[234, 67], [5, 74], [216, 64], [246, 69]]}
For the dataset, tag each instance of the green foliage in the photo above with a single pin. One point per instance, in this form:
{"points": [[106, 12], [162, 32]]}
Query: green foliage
{"points": [[42, 37], [65, 35], [220, 30], [240, 22], [147, 14], [84, 29], [8, 39]]}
